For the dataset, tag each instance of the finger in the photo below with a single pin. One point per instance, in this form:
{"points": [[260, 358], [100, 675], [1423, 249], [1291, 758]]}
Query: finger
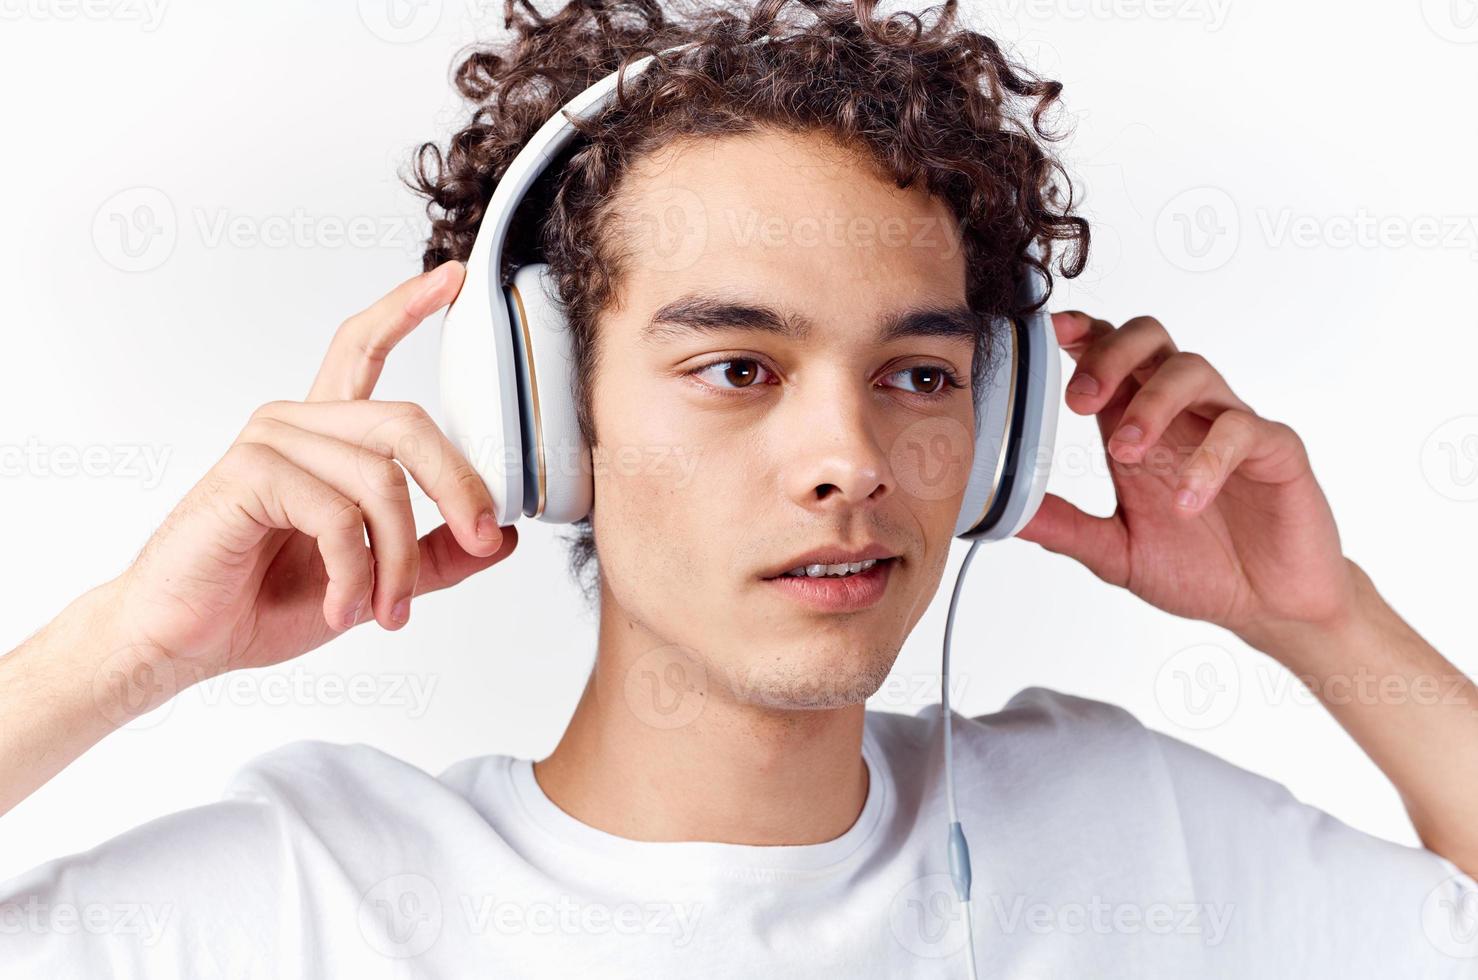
{"points": [[274, 493], [1077, 330], [1263, 450], [1134, 351], [378, 487], [404, 431], [357, 353], [445, 563], [1099, 543], [1184, 382]]}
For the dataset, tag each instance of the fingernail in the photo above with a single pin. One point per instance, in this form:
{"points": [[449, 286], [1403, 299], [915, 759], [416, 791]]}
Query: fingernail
{"points": [[431, 284], [1185, 499], [438, 274], [1128, 433], [353, 616], [401, 612], [1083, 384], [487, 527]]}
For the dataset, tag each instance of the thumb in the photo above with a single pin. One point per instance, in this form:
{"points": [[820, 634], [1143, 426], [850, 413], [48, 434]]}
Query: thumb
{"points": [[1099, 543], [445, 563]]}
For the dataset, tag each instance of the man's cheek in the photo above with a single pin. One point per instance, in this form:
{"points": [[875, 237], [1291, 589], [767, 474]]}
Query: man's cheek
{"points": [[661, 528]]}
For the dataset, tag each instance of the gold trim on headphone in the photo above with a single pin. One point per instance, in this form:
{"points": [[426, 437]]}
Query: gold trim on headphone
{"points": [[523, 323]]}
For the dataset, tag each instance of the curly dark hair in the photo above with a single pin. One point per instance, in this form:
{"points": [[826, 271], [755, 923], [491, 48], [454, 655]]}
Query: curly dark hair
{"points": [[926, 100]]}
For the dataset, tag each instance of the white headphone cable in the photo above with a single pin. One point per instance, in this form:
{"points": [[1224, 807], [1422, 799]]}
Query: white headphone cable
{"points": [[959, 850]]}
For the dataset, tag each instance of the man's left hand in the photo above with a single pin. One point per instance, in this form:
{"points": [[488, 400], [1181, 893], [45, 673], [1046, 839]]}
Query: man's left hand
{"points": [[1254, 549]]}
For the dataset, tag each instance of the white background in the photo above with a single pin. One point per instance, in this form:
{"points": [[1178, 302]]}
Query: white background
{"points": [[1227, 150]]}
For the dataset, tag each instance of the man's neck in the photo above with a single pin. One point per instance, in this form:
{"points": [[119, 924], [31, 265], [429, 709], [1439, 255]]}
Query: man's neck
{"points": [[718, 769]]}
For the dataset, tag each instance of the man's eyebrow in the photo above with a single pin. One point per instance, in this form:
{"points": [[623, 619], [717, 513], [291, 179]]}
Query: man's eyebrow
{"points": [[700, 314]]}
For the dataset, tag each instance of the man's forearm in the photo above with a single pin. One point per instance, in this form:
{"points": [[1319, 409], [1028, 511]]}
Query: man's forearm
{"points": [[61, 691], [1407, 706]]}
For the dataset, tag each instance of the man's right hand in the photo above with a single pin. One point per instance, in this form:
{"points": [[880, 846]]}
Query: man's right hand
{"points": [[265, 558]]}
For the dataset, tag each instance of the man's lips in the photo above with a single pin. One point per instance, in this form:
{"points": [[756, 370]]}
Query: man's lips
{"points": [[835, 556], [845, 593]]}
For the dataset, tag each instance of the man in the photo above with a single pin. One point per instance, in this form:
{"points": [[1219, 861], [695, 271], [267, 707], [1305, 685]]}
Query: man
{"points": [[755, 819]]}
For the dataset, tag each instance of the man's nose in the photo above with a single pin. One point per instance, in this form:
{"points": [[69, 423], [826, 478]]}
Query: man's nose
{"points": [[835, 458]]}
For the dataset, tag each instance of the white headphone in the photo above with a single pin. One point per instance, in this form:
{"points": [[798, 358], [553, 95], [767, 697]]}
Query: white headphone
{"points": [[507, 394]]}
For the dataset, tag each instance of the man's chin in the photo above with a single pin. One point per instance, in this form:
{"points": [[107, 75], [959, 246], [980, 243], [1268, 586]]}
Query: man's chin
{"points": [[806, 688], [806, 701]]}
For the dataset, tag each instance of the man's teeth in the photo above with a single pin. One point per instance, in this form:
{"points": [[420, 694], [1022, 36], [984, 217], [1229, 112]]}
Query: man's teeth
{"points": [[818, 571]]}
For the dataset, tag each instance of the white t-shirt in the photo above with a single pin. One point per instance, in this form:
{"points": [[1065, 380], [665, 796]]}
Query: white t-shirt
{"points": [[1099, 848]]}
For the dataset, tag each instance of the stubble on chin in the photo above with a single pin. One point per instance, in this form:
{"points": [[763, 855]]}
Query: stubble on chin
{"points": [[798, 685]]}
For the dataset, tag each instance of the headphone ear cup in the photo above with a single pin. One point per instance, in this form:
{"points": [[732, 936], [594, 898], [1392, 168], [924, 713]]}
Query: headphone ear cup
{"points": [[559, 487], [1041, 386], [1017, 412], [479, 389], [994, 414], [1039, 441]]}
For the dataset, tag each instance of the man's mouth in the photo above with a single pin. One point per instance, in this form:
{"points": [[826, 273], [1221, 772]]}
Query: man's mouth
{"points": [[831, 571], [834, 561], [836, 588]]}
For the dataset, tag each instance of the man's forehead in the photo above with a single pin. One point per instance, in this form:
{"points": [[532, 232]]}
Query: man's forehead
{"points": [[770, 190], [718, 236]]}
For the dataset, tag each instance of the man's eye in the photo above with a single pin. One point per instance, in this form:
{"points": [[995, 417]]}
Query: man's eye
{"points": [[740, 372], [932, 379]]}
